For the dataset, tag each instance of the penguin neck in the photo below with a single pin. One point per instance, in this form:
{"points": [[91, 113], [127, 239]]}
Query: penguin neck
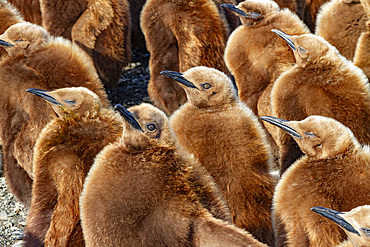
{"points": [[215, 108]]}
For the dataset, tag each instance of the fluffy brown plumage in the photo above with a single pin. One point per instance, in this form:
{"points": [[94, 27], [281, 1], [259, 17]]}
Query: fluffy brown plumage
{"points": [[334, 173], [9, 16], [256, 56], [356, 224], [362, 53], [64, 153], [306, 10], [181, 34], [35, 61], [341, 22], [29, 9], [149, 184], [227, 139], [321, 83], [101, 27]]}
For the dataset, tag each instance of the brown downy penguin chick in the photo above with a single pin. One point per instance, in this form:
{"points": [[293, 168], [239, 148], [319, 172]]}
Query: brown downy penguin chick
{"points": [[179, 35], [356, 224], [227, 139], [149, 187], [64, 153], [102, 28], [254, 55], [334, 173], [9, 16], [29, 9], [321, 83], [35, 60], [306, 10], [341, 22], [362, 53]]}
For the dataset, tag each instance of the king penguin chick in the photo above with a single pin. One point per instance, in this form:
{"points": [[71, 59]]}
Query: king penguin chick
{"points": [[254, 55], [29, 9], [102, 28], [341, 22], [322, 82], [227, 139], [149, 186], [180, 35], [362, 53], [64, 153], [35, 60], [334, 173], [9, 16], [356, 224]]}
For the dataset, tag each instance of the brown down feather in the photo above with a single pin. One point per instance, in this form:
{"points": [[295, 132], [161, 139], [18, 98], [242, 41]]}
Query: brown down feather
{"points": [[47, 63]]}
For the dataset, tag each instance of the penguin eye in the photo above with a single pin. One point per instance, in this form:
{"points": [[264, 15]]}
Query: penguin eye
{"points": [[151, 127], [71, 102], [206, 85], [302, 50], [366, 231], [319, 145]]}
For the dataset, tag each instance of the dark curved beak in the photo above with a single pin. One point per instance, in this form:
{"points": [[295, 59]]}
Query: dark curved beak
{"points": [[44, 94], [129, 118], [5, 44], [285, 37], [232, 7], [281, 123], [334, 216], [178, 77]]}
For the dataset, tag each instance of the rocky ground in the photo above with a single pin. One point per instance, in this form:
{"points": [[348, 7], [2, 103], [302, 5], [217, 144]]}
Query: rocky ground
{"points": [[131, 90]]}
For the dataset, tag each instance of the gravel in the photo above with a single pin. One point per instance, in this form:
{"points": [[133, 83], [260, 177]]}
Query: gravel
{"points": [[12, 217], [131, 90]]}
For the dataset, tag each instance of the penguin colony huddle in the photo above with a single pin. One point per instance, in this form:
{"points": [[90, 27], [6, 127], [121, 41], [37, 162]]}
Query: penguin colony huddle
{"points": [[238, 91]]}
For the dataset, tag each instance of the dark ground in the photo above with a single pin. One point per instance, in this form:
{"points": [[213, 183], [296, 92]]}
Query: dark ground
{"points": [[132, 86]]}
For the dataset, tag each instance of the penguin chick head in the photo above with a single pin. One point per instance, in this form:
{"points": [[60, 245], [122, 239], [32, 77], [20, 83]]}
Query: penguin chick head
{"points": [[254, 12], [310, 49], [205, 87], [317, 136], [70, 101], [356, 222], [23, 39], [145, 126]]}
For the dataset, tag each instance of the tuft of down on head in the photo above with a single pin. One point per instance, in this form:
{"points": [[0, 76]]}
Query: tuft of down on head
{"points": [[145, 126], [205, 87], [317, 136], [254, 12], [24, 38], [70, 101], [356, 223]]}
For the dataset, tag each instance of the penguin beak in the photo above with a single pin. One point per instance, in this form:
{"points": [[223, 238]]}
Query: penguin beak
{"points": [[5, 44], [285, 37], [334, 216], [129, 118], [281, 123], [44, 94], [251, 15], [179, 78]]}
